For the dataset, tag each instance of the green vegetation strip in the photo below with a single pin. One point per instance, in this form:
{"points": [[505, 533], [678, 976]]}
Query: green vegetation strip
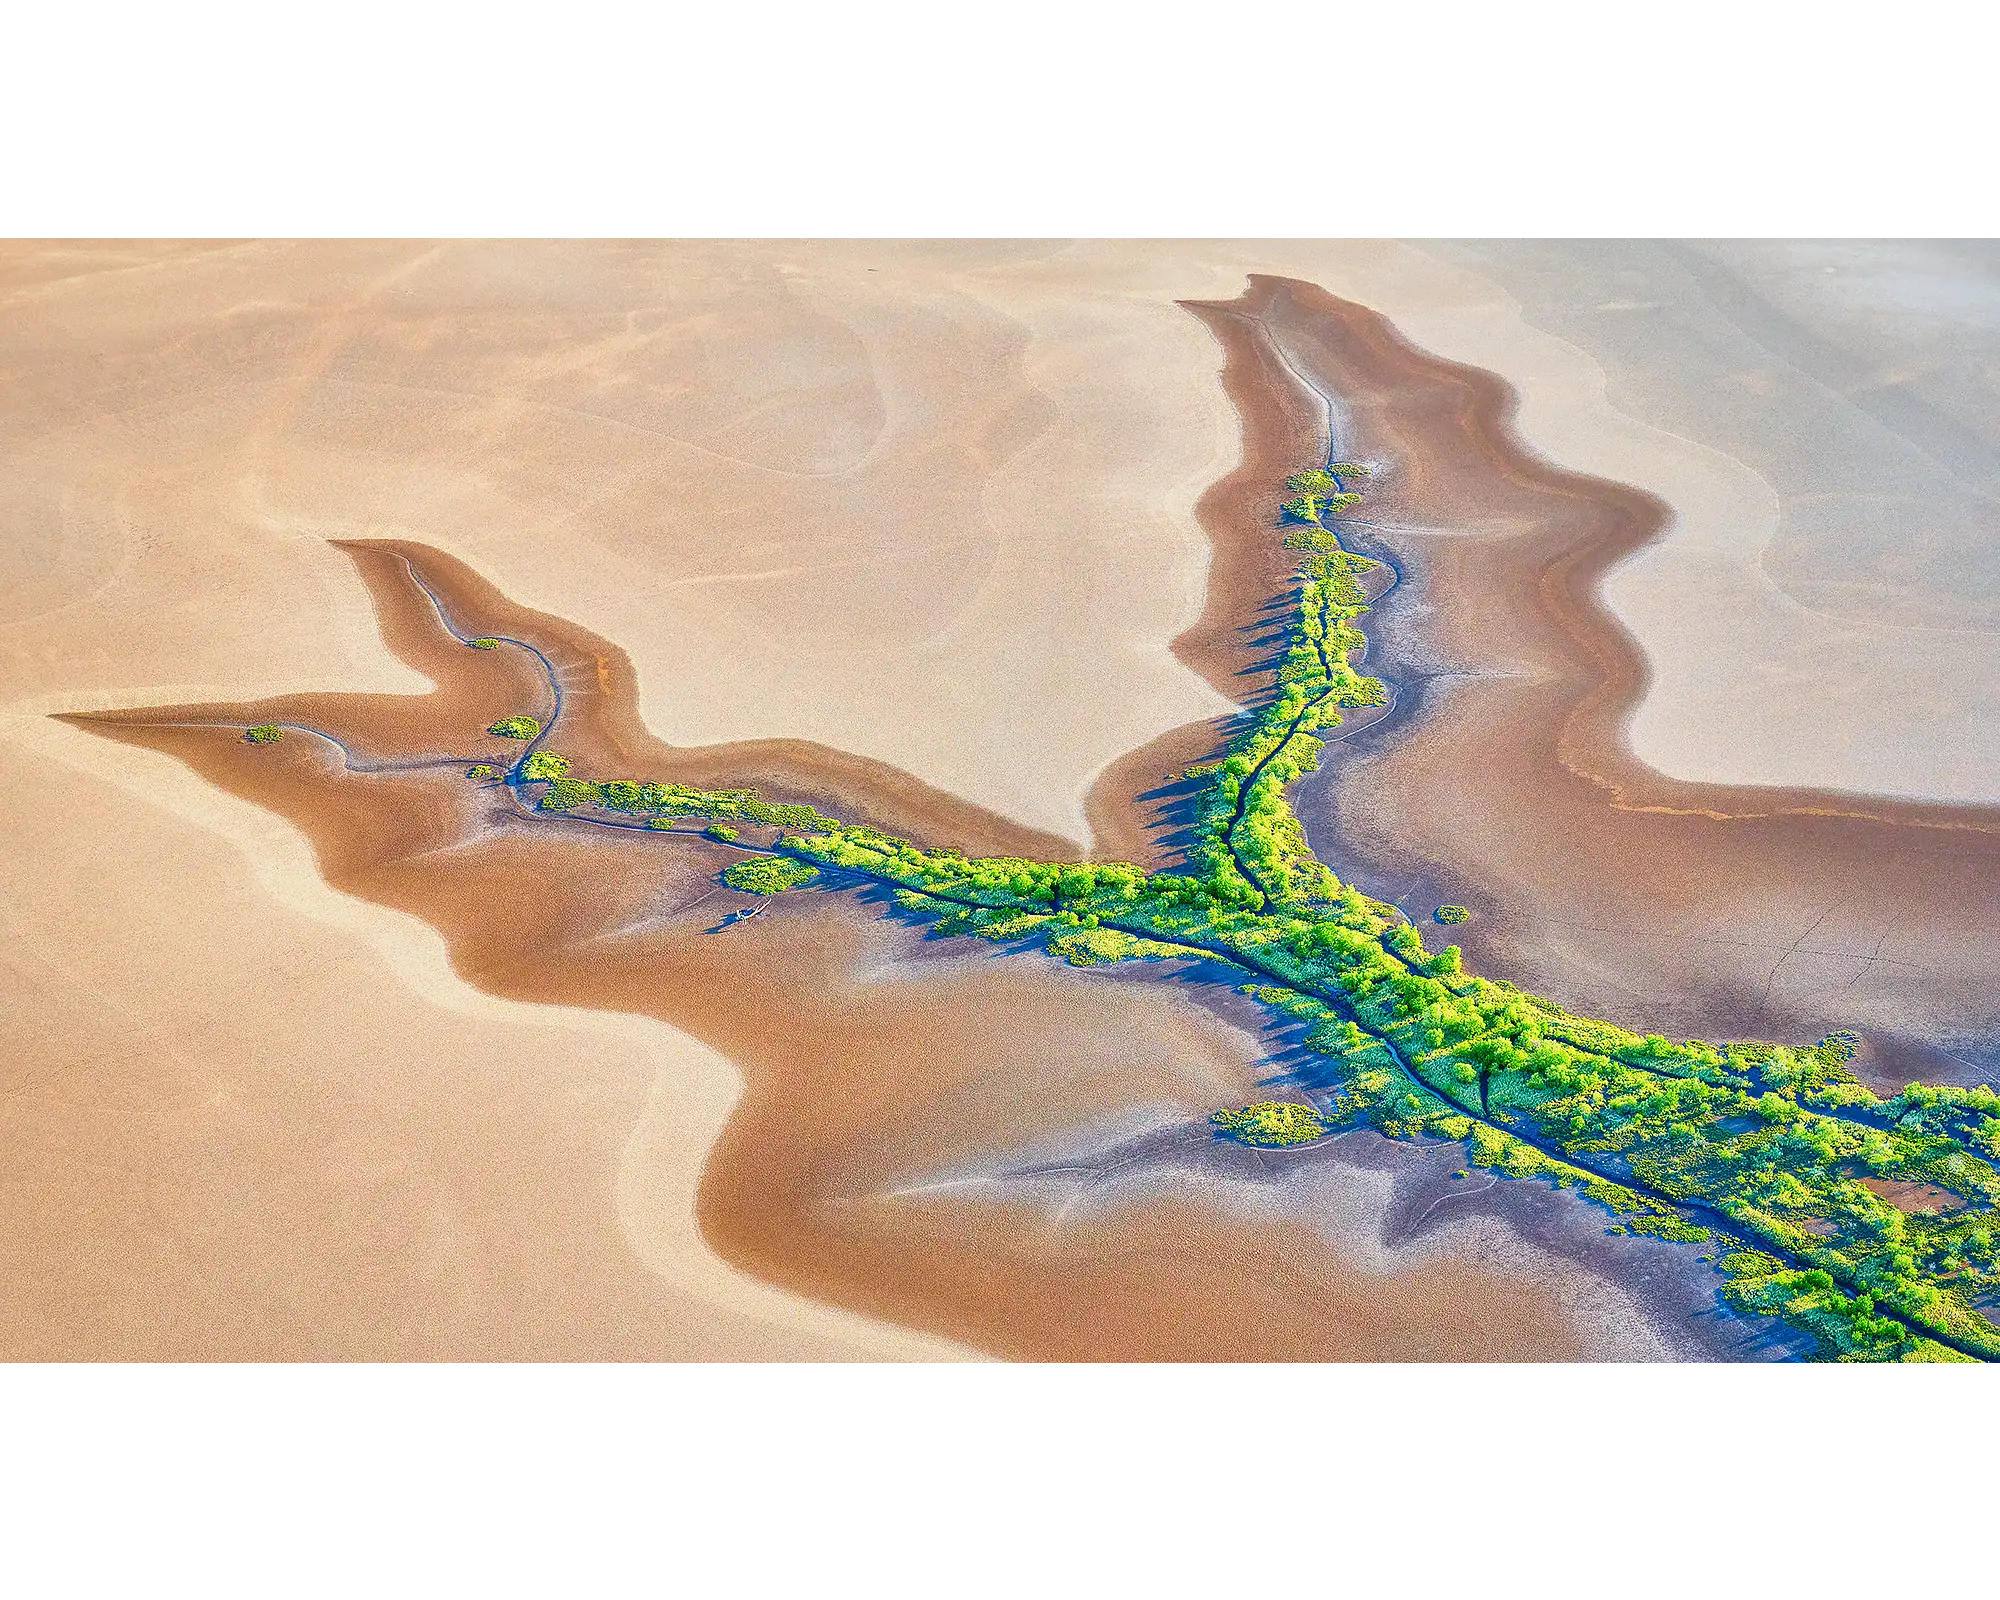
{"points": [[769, 876], [1272, 1122], [1761, 1147]]}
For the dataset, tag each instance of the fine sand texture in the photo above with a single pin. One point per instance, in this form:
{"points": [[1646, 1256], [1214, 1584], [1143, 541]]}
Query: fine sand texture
{"points": [[1819, 417], [795, 479], [1504, 783], [866, 513], [874, 1056], [249, 1117], [792, 482], [794, 488]]}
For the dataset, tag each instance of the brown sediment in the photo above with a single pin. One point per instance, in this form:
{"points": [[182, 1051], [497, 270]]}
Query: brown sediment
{"points": [[1667, 905], [859, 1085], [1923, 1199], [1131, 806], [870, 1063], [601, 731], [1284, 431], [1171, 1279], [855, 1085]]}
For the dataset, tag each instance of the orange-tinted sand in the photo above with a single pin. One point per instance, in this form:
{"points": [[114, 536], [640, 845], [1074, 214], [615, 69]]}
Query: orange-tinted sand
{"points": [[874, 1060], [870, 1061]]}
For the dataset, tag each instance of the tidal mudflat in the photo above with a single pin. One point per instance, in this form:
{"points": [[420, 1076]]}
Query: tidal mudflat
{"points": [[1010, 1261], [874, 1058], [1503, 781]]}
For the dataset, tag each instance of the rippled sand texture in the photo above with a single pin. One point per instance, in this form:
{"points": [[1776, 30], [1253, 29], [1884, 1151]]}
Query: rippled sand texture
{"points": [[1503, 782], [791, 482]]}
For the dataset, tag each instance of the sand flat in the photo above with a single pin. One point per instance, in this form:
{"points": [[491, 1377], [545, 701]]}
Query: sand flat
{"points": [[1819, 613], [1826, 441], [251, 1118], [671, 444], [794, 482], [1503, 782], [877, 1061], [796, 479], [796, 489]]}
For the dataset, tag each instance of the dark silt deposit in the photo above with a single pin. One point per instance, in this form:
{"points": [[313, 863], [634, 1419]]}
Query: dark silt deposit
{"points": [[1387, 1205]]}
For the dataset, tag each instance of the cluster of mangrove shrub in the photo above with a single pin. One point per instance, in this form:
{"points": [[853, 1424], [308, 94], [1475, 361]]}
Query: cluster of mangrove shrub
{"points": [[264, 733], [486, 644], [516, 728], [1451, 914], [1248, 844], [664, 801], [1322, 492], [1271, 1122], [1847, 1326], [1761, 1146], [482, 770], [768, 876], [722, 833], [565, 794]]}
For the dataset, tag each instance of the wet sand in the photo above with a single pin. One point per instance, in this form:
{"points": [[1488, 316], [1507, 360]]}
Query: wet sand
{"points": [[874, 1056], [600, 730], [918, 1059], [1136, 808], [249, 1117], [1821, 417], [1504, 781]]}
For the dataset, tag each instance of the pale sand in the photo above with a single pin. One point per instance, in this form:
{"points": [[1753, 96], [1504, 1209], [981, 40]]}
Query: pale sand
{"points": [[898, 511], [790, 517], [795, 487], [872, 1053], [792, 489], [1790, 644], [1853, 693], [250, 1118]]}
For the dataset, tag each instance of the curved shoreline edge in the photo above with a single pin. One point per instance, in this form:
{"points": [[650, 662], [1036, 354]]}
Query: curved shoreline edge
{"points": [[1505, 782], [613, 758], [1460, 405], [598, 918]]}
